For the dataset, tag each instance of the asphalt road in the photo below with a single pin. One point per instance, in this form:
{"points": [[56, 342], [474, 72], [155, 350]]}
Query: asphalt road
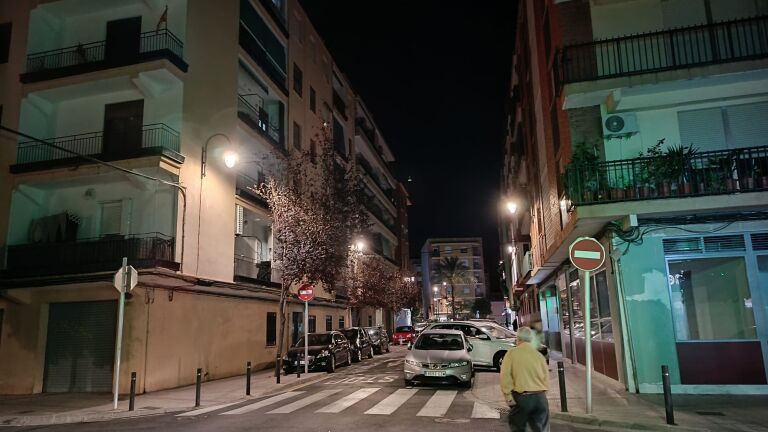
{"points": [[367, 396]]}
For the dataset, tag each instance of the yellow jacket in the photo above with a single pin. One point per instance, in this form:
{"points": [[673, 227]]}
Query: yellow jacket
{"points": [[523, 370]]}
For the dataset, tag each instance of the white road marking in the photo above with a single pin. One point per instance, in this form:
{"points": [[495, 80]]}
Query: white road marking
{"points": [[207, 410], [481, 410], [392, 402], [438, 404], [347, 401], [586, 254], [301, 403], [263, 403]]}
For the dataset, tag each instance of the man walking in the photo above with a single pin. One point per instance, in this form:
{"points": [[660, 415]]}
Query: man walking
{"points": [[524, 382]]}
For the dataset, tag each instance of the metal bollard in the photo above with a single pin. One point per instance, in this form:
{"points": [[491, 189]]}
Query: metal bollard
{"points": [[248, 379], [298, 367], [198, 382], [132, 400], [669, 411], [561, 379]]}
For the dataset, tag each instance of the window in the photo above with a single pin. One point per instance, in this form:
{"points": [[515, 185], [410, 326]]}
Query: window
{"points": [[111, 218], [448, 250], [297, 328], [296, 136], [312, 100], [711, 299], [328, 323], [5, 42], [338, 137], [312, 324], [463, 250], [298, 79], [370, 321], [341, 322], [726, 127], [271, 328], [466, 291]]}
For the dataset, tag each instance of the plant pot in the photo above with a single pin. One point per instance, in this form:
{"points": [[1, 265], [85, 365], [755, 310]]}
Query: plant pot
{"points": [[730, 184], [664, 189], [645, 192], [763, 181], [617, 194], [685, 189], [631, 192], [588, 196], [747, 183]]}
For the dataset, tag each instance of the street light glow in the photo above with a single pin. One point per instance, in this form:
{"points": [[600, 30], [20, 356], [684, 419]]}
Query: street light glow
{"points": [[230, 159], [510, 249], [511, 207], [360, 245]]}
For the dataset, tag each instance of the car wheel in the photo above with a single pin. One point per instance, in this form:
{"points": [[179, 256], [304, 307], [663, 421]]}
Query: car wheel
{"points": [[331, 368], [349, 358], [408, 383], [370, 353], [358, 356], [497, 359]]}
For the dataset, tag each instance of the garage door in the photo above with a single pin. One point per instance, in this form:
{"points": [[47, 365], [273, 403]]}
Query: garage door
{"points": [[80, 347]]}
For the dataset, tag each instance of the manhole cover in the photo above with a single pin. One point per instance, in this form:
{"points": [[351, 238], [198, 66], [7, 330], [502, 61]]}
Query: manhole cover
{"points": [[446, 420], [710, 413]]}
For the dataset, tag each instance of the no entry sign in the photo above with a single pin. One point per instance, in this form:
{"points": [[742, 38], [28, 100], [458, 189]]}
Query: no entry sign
{"points": [[306, 292], [587, 254]]}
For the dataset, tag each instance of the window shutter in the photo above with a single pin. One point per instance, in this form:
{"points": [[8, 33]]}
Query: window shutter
{"points": [[702, 129]]}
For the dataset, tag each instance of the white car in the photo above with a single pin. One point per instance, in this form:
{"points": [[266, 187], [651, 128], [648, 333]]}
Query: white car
{"points": [[439, 357], [490, 342]]}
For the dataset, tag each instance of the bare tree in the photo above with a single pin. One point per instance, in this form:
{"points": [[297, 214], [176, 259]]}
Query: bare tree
{"points": [[316, 208]]}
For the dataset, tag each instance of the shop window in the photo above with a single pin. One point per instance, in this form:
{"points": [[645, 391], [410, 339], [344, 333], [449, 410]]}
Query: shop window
{"points": [[711, 299], [271, 328]]}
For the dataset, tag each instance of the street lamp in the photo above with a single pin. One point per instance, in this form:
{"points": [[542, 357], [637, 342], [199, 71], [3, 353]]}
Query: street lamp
{"points": [[511, 207], [230, 156], [360, 246]]}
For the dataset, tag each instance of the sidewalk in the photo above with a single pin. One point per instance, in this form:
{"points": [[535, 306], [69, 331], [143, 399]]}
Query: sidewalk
{"points": [[45, 409], [613, 407]]}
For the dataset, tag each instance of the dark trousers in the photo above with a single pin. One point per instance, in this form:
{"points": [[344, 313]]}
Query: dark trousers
{"points": [[530, 409]]}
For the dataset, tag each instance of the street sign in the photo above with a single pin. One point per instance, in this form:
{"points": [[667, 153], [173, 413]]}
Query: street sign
{"points": [[133, 279], [306, 292], [587, 254]]}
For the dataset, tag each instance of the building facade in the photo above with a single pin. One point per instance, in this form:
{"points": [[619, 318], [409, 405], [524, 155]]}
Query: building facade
{"points": [[639, 123], [161, 129], [436, 295]]}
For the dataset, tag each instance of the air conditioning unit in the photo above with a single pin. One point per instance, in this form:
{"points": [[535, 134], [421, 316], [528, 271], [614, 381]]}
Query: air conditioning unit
{"points": [[239, 218], [619, 125]]}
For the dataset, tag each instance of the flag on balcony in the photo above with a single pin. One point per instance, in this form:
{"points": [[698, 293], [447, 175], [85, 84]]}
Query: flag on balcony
{"points": [[163, 19]]}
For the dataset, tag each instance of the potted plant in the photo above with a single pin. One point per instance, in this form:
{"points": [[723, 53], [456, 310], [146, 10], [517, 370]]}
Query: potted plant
{"points": [[761, 176], [651, 170], [678, 168], [621, 188], [581, 174]]}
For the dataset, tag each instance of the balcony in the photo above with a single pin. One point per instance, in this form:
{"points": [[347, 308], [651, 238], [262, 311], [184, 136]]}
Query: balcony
{"points": [[376, 177], [94, 56], [91, 255], [254, 114], [379, 213], [156, 139], [254, 271], [339, 104], [256, 51], [681, 48], [681, 175], [245, 187]]}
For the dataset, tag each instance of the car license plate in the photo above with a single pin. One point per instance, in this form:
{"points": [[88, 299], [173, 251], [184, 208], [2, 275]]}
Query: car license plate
{"points": [[434, 373]]}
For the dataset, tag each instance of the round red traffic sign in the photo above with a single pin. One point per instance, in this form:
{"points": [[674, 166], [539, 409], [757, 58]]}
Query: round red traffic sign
{"points": [[587, 253], [306, 292]]}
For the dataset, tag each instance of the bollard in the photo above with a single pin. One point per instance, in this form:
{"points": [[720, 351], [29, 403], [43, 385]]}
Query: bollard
{"points": [[561, 379], [298, 367], [132, 400], [669, 411], [248, 379], [198, 381]]}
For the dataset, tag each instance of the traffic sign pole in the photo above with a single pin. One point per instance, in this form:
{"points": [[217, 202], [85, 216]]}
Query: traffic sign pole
{"points": [[119, 342], [306, 337], [588, 342]]}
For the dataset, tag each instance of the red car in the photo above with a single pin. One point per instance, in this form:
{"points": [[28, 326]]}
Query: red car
{"points": [[403, 335]]}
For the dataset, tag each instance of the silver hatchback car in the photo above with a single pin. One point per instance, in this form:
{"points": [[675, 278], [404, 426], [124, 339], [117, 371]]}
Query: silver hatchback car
{"points": [[439, 357]]}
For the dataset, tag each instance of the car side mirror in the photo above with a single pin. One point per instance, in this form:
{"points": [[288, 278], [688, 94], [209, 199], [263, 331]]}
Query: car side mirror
{"points": [[469, 348]]}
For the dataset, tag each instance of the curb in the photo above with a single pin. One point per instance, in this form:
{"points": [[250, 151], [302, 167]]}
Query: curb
{"points": [[89, 417]]}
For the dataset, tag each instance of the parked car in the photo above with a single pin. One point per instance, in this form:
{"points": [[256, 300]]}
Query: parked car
{"points": [[419, 327], [326, 351], [379, 339], [490, 342], [403, 335], [359, 343], [439, 356]]}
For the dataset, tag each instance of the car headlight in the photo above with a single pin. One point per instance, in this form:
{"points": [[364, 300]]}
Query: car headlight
{"points": [[412, 362], [323, 353], [457, 364]]}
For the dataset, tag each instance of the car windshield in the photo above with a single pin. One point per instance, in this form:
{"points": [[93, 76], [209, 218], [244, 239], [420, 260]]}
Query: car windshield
{"points": [[316, 339], [404, 329], [373, 332], [498, 332], [440, 342]]}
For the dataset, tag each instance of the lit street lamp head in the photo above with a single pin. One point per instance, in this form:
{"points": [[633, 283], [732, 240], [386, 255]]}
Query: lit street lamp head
{"points": [[511, 207], [231, 158]]}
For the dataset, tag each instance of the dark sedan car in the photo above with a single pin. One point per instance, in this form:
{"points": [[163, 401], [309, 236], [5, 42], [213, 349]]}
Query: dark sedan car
{"points": [[326, 350], [359, 343], [379, 339]]}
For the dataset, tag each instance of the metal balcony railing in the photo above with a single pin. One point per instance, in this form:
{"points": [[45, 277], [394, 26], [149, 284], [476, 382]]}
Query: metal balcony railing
{"points": [[91, 255], [703, 173], [253, 269], [154, 137], [269, 65], [686, 47], [253, 113], [155, 41], [339, 104]]}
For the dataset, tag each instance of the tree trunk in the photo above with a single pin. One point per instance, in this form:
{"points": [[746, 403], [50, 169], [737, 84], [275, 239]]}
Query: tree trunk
{"points": [[281, 332], [453, 302]]}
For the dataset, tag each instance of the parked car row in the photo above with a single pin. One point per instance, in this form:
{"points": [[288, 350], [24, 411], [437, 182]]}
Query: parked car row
{"points": [[336, 348]]}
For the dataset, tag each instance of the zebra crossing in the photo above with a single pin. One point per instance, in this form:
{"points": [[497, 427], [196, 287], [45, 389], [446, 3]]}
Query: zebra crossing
{"points": [[333, 401]]}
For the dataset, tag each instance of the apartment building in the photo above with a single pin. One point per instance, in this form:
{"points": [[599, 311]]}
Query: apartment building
{"points": [[186, 121], [436, 295], [641, 123]]}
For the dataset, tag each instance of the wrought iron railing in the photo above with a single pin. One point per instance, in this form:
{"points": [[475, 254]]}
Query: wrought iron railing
{"points": [[665, 50], [153, 136], [253, 47], [703, 173], [91, 255], [366, 130], [339, 104], [258, 119], [149, 42], [253, 269]]}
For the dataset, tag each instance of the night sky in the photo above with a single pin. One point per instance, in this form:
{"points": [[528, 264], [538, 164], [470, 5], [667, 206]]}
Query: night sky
{"points": [[434, 75]]}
